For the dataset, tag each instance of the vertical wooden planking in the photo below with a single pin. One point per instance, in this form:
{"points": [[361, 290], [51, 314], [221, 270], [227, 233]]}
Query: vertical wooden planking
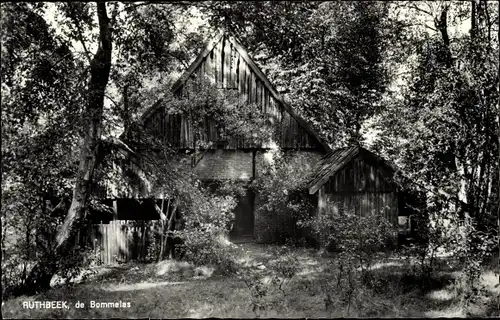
{"points": [[291, 134], [118, 240], [248, 76], [395, 206], [390, 215], [188, 132], [384, 205], [251, 86], [125, 242], [209, 68], [178, 130], [258, 91], [284, 131], [226, 63], [388, 205], [378, 205], [108, 236], [129, 243], [111, 237], [266, 101], [262, 97], [254, 87], [257, 87], [101, 241], [234, 68], [279, 124], [274, 118], [290, 131], [114, 241], [295, 134], [308, 141], [184, 133], [272, 108], [378, 184], [104, 247], [220, 64], [165, 124], [281, 111], [171, 128], [217, 63], [241, 75], [305, 140]]}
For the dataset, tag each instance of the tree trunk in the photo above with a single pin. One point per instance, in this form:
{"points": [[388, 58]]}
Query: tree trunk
{"points": [[170, 228], [498, 168], [100, 66], [162, 232]]}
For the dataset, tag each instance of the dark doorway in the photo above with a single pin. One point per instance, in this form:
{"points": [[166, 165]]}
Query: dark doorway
{"points": [[243, 222], [243, 226]]}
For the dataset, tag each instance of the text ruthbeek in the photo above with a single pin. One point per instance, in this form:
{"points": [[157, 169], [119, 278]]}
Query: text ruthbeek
{"points": [[45, 305]]}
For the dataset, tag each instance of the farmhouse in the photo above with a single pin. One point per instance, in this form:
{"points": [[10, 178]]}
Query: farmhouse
{"points": [[228, 65], [346, 179]]}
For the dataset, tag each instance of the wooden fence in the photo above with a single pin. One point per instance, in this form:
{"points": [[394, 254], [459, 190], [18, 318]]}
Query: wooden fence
{"points": [[119, 240]]}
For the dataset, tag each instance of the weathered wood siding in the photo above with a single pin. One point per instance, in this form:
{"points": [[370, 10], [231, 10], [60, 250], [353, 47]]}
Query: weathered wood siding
{"points": [[228, 69], [117, 241], [363, 188], [364, 204]]}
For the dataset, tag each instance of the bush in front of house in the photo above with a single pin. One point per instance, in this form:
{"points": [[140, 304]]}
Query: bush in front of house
{"points": [[280, 201], [207, 221], [358, 241]]}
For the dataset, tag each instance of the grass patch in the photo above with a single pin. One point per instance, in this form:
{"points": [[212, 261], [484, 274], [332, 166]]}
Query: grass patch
{"points": [[173, 289]]}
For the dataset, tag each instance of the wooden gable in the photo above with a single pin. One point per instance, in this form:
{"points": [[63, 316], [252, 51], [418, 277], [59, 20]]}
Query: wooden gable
{"points": [[352, 170], [229, 66]]}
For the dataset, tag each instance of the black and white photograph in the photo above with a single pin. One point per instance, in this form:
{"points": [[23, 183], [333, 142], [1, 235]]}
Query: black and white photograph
{"points": [[250, 159]]}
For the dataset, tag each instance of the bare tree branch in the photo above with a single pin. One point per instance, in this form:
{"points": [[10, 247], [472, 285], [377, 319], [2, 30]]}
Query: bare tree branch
{"points": [[79, 30], [417, 8], [113, 101]]}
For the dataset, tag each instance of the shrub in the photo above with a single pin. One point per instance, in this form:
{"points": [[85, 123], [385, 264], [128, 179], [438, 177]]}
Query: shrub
{"points": [[358, 240], [281, 202], [207, 221]]}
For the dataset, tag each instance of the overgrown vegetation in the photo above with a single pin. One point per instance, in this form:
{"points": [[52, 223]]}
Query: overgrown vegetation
{"points": [[281, 202]]}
